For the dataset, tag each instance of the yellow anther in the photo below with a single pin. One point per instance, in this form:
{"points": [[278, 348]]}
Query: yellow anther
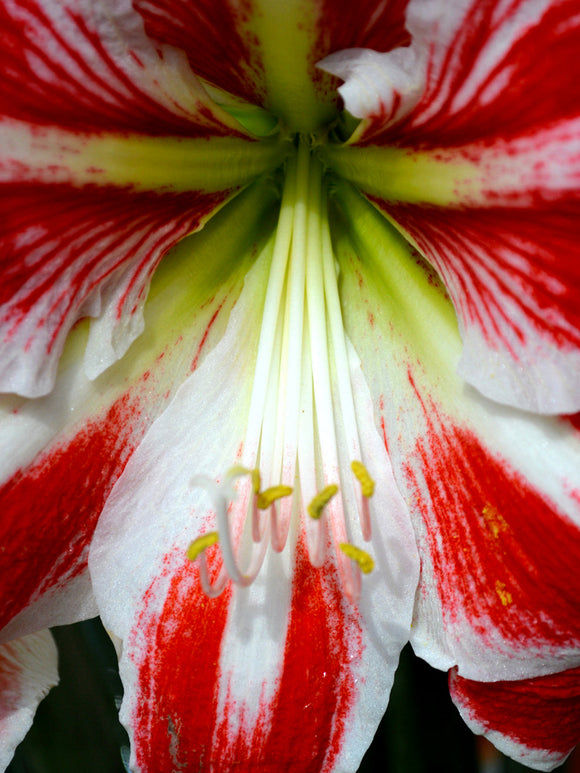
{"points": [[269, 495], [362, 558], [239, 469], [320, 501], [361, 473], [201, 543]]}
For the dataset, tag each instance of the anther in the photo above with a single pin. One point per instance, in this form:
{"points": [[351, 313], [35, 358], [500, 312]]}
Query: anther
{"points": [[270, 495], [238, 470], [361, 473], [361, 557], [320, 501], [201, 543]]}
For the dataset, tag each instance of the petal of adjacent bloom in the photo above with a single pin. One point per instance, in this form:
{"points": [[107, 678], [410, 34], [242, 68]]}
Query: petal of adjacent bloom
{"points": [[285, 672], [547, 726], [483, 158], [63, 452], [28, 669], [493, 492], [120, 132]]}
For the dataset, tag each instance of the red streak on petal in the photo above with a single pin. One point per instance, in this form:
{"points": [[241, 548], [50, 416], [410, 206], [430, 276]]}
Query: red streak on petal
{"points": [[62, 74], [541, 713], [574, 420], [177, 725], [176, 707], [213, 35], [502, 554], [303, 727], [60, 243], [205, 335], [366, 24], [50, 510], [496, 259], [518, 94]]}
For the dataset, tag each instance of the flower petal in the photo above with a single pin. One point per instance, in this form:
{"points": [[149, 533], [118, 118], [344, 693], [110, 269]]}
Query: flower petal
{"points": [[284, 673], [483, 178], [264, 52], [90, 67], [88, 213], [63, 452], [28, 669], [536, 721], [59, 264], [494, 493]]}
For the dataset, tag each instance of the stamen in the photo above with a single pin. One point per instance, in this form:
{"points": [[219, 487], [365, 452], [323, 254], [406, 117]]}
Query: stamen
{"points": [[320, 501], [361, 473], [361, 557], [302, 429], [270, 495], [238, 470], [201, 543]]}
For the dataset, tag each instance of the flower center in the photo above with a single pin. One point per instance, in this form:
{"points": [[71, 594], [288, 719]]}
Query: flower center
{"points": [[301, 454]]}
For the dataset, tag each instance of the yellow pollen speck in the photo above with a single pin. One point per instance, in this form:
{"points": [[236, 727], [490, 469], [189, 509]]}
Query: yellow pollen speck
{"points": [[362, 558], [320, 501], [269, 495], [504, 595], [201, 543], [494, 521], [361, 473]]}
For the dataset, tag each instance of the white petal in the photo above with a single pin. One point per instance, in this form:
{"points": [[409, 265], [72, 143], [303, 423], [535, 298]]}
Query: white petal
{"points": [[28, 669]]}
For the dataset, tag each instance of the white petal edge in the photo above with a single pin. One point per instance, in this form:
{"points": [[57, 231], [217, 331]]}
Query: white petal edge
{"points": [[28, 669]]}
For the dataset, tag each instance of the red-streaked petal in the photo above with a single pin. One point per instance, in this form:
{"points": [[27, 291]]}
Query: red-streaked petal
{"points": [[254, 679], [501, 130], [500, 586], [480, 74], [63, 452], [285, 673], [297, 718], [28, 669], [513, 275], [536, 721], [494, 492], [266, 52], [89, 66], [95, 186], [69, 253]]}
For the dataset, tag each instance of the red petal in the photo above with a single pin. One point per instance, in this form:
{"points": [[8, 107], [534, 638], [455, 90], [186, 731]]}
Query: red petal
{"points": [[501, 554], [54, 262], [69, 447], [67, 64], [536, 721], [368, 24], [220, 49], [513, 275], [50, 510], [482, 87], [508, 247], [212, 35], [176, 710]]}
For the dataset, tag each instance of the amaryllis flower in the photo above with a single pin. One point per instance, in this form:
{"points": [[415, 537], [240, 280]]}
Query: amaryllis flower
{"points": [[290, 347]]}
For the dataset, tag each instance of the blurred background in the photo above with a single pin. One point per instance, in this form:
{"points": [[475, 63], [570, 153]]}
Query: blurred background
{"points": [[76, 727]]}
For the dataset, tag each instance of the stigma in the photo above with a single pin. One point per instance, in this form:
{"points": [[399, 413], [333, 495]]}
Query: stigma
{"points": [[301, 457]]}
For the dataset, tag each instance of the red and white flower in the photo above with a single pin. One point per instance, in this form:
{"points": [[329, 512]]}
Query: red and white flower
{"points": [[254, 344]]}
